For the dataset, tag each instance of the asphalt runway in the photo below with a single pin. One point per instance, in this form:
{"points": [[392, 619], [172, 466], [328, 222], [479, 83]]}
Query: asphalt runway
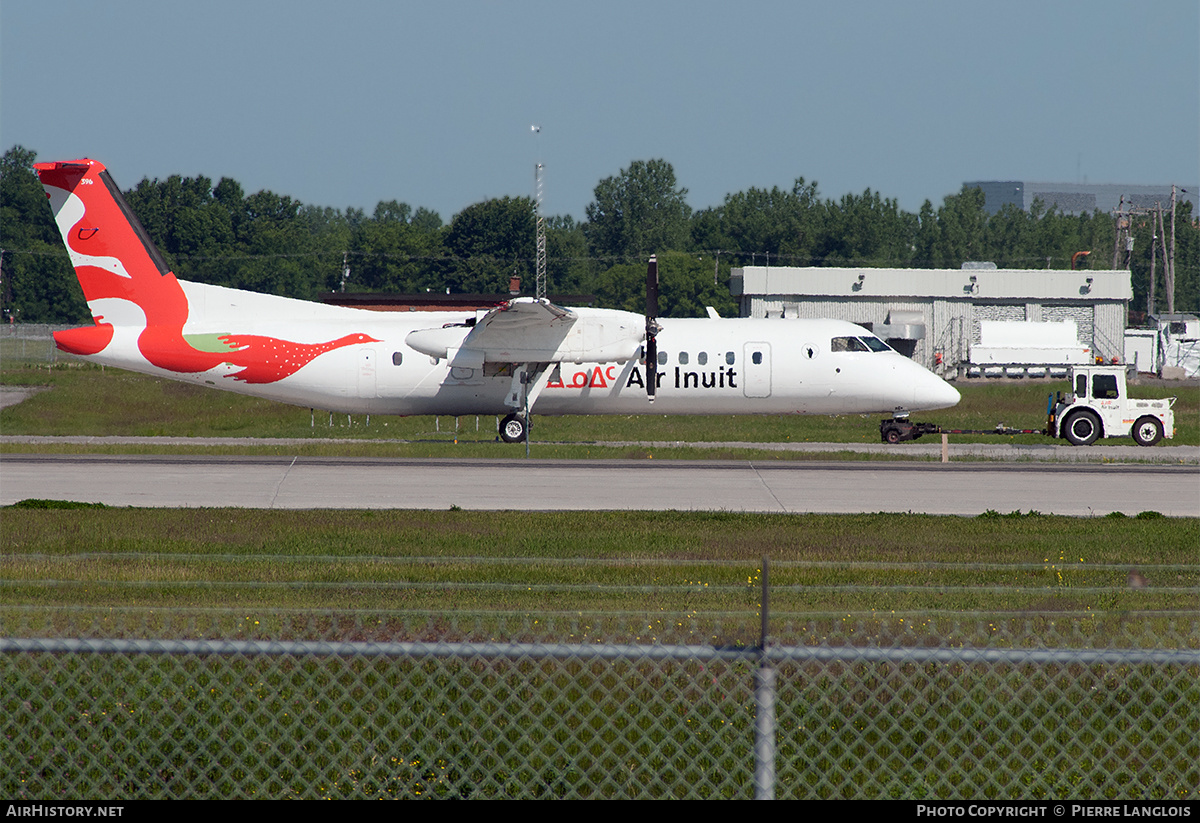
{"points": [[751, 486]]}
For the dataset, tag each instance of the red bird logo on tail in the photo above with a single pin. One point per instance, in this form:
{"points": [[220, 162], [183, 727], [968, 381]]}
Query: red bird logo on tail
{"points": [[115, 259]]}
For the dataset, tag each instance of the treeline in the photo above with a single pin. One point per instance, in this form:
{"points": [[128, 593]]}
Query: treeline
{"points": [[268, 242]]}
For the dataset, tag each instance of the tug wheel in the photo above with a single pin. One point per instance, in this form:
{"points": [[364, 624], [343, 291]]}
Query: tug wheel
{"points": [[1147, 431], [1082, 428]]}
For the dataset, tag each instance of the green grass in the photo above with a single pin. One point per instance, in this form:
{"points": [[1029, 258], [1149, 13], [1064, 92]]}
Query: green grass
{"points": [[88, 400], [130, 727], [887, 568], [359, 726], [146, 726]]}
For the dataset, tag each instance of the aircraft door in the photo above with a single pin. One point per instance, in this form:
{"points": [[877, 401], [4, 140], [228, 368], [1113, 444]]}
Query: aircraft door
{"points": [[756, 370], [366, 373]]}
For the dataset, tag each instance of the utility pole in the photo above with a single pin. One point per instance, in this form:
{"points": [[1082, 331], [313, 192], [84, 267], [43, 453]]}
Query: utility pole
{"points": [[1122, 232], [1153, 264], [1169, 262], [1123, 218]]}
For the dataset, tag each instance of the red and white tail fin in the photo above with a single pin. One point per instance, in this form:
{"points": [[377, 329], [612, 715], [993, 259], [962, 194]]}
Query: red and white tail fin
{"points": [[140, 308], [114, 258], [97, 225]]}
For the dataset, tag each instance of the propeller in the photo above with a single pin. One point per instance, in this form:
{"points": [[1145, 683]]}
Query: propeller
{"points": [[652, 327]]}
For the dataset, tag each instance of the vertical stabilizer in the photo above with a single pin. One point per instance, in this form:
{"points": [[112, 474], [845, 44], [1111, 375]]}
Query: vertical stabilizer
{"points": [[118, 267], [138, 305]]}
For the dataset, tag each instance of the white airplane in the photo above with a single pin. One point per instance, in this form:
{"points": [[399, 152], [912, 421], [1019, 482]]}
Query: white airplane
{"points": [[522, 355]]}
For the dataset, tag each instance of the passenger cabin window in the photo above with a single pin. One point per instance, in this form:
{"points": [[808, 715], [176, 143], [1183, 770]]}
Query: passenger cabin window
{"points": [[683, 358], [702, 358], [756, 358], [662, 358], [729, 357], [397, 358], [1104, 387]]}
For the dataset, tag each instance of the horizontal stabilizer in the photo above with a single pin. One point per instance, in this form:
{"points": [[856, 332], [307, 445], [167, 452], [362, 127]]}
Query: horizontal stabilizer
{"points": [[86, 340]]}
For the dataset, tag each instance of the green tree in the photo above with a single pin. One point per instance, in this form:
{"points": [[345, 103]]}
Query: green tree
{"points": [[960, 234], [1187, 260], [332, 235], [569, 269], [1009, 237], [786, 225], [489, 242], [398, 250], [867, 230], [37, 283], [639, 212], [182, 217], [925, 236], [686, 286]]}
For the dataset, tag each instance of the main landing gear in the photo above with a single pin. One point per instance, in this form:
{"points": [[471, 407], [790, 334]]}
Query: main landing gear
{"points": [[513, 428]]}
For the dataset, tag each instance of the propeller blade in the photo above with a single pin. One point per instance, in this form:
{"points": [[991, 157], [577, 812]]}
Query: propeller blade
{"points": [[652, 327]]}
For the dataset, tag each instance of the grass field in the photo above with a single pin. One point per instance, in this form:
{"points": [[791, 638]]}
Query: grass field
{"points": [[545, 564], [130, 725], [182, 558], [89, 400], [146, 726]]}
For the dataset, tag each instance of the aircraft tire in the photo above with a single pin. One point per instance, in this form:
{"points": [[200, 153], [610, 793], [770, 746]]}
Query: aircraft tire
{"points": [[1147, 431], [512, 429], [1082, 428]]}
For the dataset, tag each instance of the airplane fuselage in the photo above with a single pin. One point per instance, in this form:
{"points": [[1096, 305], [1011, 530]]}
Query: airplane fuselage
{"points": [[522, 356], [706, 366]]}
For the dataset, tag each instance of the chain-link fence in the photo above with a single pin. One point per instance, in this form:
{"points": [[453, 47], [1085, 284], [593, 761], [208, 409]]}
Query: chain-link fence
{"points": [[217, 704], [29, 344]]}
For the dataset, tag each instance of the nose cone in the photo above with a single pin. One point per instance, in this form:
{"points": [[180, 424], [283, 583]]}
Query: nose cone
{"points": [[906, 386], [932, 392]]}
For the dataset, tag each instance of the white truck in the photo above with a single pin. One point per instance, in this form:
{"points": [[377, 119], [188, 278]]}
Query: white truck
{"points": [[1099, 406]]}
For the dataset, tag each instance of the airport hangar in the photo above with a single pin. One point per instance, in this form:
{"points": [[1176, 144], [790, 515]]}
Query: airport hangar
{"points": [[1077, 198], [935, 315]]}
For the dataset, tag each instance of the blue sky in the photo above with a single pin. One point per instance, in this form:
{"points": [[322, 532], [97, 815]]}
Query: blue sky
{"points": [[346, 104]]}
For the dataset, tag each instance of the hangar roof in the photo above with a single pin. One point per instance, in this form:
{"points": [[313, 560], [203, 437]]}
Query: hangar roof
{"points": [[1087, 285]]}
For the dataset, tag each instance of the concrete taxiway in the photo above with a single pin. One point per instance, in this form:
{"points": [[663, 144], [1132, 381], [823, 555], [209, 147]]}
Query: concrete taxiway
{"points": [[753, 486]]}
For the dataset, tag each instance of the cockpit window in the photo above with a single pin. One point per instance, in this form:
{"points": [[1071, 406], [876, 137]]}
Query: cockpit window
{"points": [[847, 344], [866, 343]]}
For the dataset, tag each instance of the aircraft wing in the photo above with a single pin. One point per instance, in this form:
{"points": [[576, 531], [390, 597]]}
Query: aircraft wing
{"points": [[526, 330]]}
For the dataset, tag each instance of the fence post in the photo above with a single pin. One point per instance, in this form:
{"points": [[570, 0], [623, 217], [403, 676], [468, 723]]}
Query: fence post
{"points": [[764, 732], [764, 703]]}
